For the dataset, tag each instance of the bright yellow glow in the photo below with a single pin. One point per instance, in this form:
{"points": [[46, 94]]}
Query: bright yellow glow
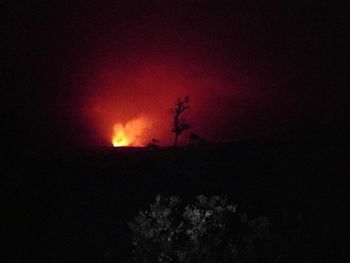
{"points": [[119, 139], [133, 133]]}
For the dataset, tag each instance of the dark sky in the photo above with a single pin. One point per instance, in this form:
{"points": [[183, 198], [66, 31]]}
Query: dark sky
{"points": [[75, 68]]}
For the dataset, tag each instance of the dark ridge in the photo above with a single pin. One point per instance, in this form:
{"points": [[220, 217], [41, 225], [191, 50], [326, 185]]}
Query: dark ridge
{"points": [[75, 205]]}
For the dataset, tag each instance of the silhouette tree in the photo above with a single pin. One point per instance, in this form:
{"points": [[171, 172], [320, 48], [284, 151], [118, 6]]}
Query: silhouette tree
{"points": [[179, 124]]}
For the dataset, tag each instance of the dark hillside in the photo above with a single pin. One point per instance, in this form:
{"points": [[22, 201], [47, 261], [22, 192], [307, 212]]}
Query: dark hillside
{"points": [[73, 206]]}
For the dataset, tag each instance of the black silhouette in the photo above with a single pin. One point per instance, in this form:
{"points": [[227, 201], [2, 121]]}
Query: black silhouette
{"points": [[154, 145], [179, 124], [194, 139]]}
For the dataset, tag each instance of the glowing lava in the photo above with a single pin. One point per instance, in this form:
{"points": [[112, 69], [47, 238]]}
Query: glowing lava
{"points": [[119, 138], [133, 133]]}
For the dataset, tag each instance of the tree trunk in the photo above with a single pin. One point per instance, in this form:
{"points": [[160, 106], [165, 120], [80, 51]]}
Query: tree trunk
{"points": [[175, 141]]}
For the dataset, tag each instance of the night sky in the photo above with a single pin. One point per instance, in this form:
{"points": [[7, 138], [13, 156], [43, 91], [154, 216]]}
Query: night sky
{"points": [[73, 69]]}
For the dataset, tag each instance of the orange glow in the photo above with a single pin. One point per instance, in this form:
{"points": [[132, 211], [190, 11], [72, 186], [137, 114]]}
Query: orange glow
{"points": [[133, 133], [131, 86], [119, 138]]}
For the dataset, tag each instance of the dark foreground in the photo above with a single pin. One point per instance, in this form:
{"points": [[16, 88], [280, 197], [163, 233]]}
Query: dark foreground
{"points": [[73, 206]]}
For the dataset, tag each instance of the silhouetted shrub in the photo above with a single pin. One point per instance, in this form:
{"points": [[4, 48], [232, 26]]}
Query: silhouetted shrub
{"points": [[194, 139], [210, 230], [154, 145]]}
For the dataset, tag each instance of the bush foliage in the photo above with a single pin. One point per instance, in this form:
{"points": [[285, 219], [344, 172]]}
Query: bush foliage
{"points": [[209, 230]]}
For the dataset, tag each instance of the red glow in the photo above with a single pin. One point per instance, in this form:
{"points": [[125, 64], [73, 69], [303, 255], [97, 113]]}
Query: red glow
{"points": [[146, 81], [123, 92]]}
